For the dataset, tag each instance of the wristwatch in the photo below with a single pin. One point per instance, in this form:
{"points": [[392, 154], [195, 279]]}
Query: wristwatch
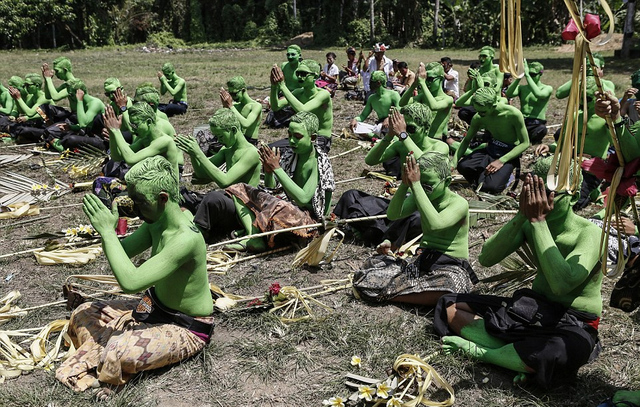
{"points": [[123, 109], [403, 136]]}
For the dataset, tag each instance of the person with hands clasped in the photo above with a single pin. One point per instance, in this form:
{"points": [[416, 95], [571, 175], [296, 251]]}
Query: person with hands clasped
{"points": [[550, 330]]}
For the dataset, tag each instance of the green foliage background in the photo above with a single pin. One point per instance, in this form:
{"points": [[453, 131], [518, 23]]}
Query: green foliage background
{"points": [[461, 23]]}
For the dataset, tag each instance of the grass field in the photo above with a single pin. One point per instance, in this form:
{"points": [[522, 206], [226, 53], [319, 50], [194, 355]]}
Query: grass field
{"points": [[254, 359]]}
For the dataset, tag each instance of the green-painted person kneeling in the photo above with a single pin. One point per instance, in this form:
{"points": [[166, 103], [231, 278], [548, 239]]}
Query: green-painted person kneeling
{"points": [[172, 320], [550, 330], [441, 265]]}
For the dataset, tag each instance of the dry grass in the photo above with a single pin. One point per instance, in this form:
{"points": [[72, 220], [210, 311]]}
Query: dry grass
{"points": [[255, 360]]}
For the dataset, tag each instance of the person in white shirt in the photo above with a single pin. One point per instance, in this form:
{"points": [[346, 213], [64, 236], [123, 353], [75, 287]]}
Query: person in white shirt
{"points": [[377, 61], [450, 83], [330, 71]]}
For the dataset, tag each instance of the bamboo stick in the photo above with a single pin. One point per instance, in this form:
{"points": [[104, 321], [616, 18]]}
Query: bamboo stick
{"points": [[345, 152]]}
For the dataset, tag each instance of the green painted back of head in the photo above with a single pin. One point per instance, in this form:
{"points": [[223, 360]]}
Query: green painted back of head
{"points": [[236, 83], [378, 76], [34, 78], [75, 84], [435, 70], [437, 162], [485, 97], [152, 176], [62, 62], [308, 120], [311, 65], [420, 113], [142, 112], [148, 94], [111, 84], [224, 119], [167, 67], [16, 82]]}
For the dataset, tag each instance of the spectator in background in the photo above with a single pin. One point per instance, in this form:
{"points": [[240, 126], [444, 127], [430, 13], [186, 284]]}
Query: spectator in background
{"points": [[329, 75], [450, 84], [351, 71], [376, 61], [404, 78]]}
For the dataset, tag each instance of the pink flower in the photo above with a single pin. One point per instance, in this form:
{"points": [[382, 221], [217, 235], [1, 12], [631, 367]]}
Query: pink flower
{"points": [[274, 289]]}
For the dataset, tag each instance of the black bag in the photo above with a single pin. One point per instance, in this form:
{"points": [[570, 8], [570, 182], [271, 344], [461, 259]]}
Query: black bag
{"points": [[626, 292]]}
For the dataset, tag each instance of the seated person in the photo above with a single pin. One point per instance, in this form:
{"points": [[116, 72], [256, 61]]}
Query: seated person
{"points": [[63, 70], [294, 57], [329, 75], [149, 94], [215, 214], [377, 61], [450, 84], [466, 113], [30, 127], [492, 166], [534, 100], [404, 78], [350, 74], [119, 338], [410, 125], [8, 106], [380, 101], [441, 265], [119, 101], [418, 119], [247, 111], [485, 57], [550, 330], [177, 87], [149, 140], [87, 108], [306, 177], [307, 98], [629, 105], [431, 93]]}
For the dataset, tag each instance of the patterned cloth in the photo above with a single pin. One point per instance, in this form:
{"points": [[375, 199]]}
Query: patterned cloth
{"points": [[384, 277], [326, 183], [112, 346]]}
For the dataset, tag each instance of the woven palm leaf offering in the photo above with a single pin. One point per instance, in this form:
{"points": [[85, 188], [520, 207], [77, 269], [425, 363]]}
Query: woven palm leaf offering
{"points": [[411, 383], [84, 162], [568, 156]]}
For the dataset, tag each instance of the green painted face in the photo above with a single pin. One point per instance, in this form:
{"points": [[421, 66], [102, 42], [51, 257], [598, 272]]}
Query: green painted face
{"points": [[299, 139], [226, 137], [432, 184], [293, 54]]}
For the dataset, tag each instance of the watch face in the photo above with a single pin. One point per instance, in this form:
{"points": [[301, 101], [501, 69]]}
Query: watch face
{"points": [[403, 135], [123, 109]]}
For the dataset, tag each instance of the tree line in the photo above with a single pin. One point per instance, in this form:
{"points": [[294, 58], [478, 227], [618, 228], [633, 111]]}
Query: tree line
{"points": [[424, 23]]}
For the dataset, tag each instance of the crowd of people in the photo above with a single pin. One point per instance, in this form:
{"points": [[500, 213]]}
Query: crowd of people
{"points": [[546, 332]]}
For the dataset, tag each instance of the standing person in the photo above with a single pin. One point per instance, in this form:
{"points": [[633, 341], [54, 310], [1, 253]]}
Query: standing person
{"points": [[450, 85], [247, 111], [294, 57], [117, 339], [351, 71], [376, 61], [534, 99], [177, 87]]}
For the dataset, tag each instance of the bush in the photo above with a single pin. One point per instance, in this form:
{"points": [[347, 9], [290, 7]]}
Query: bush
{"points": [[165, 39]]}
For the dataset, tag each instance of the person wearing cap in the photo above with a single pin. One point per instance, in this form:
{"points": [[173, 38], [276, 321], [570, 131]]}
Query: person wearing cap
{"points": [[430, 92], [307, 98], [376, 61], [29, 127], [450, 84], [294, 56], [486, 56], [351, 71], [247, 111], [629, 105], [534, 99], [381, 101]]}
